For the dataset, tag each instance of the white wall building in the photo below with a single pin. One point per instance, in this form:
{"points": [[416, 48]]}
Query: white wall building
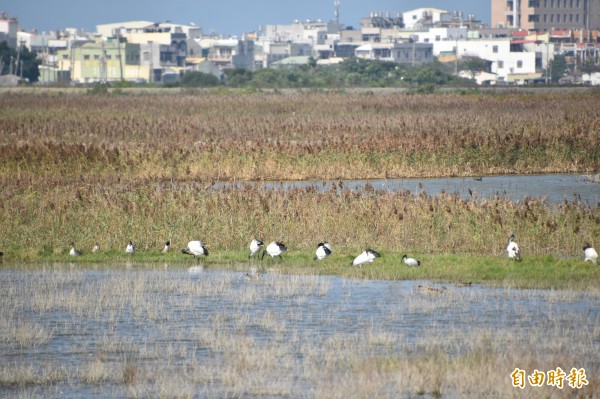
{"points": [[504, 63], [415, 19]]}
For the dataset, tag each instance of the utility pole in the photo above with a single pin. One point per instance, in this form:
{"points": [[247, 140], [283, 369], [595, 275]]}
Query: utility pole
{"points": [[119, 50]]}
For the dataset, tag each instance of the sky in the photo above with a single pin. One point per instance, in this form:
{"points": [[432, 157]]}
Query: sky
{"points": [[228, 17]]}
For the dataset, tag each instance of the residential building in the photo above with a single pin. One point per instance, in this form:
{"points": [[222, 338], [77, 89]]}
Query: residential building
{"points": [[104, 61], [543, 15], [8, 30], [401, 53], [422, 17]]}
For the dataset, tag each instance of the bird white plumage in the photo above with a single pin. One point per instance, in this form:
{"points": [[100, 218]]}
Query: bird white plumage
{"points": [[274, 249], [166, 248], [410, 262], [590, 254], [255, 246], [73, 251], [130, 248], [367, 256], [323, 251], [512, 248], [195, 248], [96, 247]]}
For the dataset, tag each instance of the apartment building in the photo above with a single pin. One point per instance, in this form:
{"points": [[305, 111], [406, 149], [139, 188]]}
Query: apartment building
{"points": [[543, 15]]}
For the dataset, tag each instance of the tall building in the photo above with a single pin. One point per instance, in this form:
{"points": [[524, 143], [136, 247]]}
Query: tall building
{"points": [[543, 15]]}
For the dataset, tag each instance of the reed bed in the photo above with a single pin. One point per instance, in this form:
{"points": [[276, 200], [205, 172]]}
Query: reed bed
{"points": [[49, 139], [154, 333], [37, 223]]}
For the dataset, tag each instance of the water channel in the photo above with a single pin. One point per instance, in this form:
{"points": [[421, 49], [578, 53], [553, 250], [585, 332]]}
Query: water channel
{"points": [[555, 188]]}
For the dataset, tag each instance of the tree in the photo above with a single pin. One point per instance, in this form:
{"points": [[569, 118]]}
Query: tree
{"points": [[474, 65], [558, 67], [199, 79], [27, 59], [238, 77]]}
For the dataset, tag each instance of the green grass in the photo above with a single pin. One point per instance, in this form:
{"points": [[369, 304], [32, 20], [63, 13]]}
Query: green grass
{"points": [[545, 272]]}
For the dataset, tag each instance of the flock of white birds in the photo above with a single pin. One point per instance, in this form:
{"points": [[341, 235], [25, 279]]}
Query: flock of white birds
{"points": [[275, 249]]}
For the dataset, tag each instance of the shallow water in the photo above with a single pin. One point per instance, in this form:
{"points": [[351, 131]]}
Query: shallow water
{"points": [[555, 187], [175, 318]]}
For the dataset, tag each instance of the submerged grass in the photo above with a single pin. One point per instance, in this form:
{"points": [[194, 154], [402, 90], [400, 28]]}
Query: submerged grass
{"points": [[125, 333]]}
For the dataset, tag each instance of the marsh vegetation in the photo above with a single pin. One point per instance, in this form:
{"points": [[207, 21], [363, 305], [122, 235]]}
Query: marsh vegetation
{"points": [[154, 332], [111, 169]]}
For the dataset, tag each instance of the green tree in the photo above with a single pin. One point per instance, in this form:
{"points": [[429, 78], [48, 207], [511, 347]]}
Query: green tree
{"points": [[199, 79], [238, 77], [474, 65], [27, 59], [558, 67]]}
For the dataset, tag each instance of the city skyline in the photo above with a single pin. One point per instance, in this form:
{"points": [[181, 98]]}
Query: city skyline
{"points": [[240, 17]]}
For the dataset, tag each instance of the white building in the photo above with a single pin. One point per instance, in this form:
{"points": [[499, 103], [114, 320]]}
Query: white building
{"points": [[510, 66], [422, 17], [401, 53], [8, 30]]}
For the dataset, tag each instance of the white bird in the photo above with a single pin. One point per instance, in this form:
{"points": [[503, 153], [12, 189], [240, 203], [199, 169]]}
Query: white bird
{"points": [[410, 262], [166, 248], [512, 248], [73, 251], [590, 254], [196, 249], [274, 249], [96, 248], [130, 248], [367, 256], [255, 246], [323, 251]]}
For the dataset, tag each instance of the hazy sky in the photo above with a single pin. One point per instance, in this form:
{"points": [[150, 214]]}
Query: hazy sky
{"points": [[224, 16]]}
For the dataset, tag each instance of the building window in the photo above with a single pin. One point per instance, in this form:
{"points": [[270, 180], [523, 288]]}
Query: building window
{"points": [[551, 17], [86, 57], [551, 3], [96, 57], [565, 4], [570, 17], [495, 48], [571, 3], [557, 17], [65, 56], [108, 57], [545, 3], [519, 64], [545, 19], [576, 17], [500, 64], [577, 3]]}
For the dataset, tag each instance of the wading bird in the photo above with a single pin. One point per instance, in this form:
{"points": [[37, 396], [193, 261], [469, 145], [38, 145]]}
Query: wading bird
{"points": [[253, 274], [255, 246], [590, 254], [512, 248], [130, 248], [367, 256], [274, 249], [166, 248], [410, 262], [196, 249], [323, 251], [96, 247], [73, 251]]}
